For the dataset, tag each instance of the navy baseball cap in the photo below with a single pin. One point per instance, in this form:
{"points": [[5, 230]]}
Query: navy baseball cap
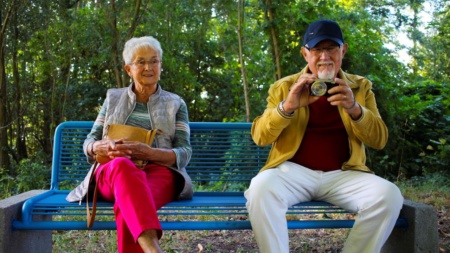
{"points": [[322, 30]]}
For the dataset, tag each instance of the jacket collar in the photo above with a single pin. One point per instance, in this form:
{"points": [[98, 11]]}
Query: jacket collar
{"points": [[132, 95]]}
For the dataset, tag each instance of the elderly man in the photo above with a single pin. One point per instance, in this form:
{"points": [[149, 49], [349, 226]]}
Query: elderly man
{"points": [[318, 136]]}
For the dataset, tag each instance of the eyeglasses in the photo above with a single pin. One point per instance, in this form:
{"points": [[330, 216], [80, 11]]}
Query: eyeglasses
{"points": [[141, 63], [318, 51]]}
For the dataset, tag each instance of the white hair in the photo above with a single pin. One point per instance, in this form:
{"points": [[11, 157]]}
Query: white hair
{"points": [[133, 44], [326, 74]]}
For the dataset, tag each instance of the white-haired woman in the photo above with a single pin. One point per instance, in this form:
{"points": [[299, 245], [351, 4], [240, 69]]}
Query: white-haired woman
{"points": [[138, 193]]}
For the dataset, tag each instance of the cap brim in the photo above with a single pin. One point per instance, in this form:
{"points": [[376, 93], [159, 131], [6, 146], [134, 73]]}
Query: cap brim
{"points": [[312, 43]]}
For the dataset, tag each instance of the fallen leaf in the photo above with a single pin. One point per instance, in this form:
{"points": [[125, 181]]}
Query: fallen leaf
{"points": [[200, 248]]}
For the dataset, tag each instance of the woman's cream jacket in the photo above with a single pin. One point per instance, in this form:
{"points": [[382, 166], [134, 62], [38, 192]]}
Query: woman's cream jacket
{"points": [[164, 106]]}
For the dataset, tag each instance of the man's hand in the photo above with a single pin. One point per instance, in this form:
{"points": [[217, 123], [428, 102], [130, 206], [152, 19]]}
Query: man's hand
{"points": [[299, 94], [343, 95]]}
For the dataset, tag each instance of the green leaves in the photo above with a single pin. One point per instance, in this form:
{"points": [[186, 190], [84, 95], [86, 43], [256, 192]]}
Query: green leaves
{"points": [[66, 62]]}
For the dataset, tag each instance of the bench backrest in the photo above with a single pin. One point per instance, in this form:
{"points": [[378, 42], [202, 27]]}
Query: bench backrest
{"points": [[224, 156]]}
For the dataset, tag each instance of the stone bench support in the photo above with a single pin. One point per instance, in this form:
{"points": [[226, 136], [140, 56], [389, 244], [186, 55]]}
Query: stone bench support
{"points": [[21, 241], [421, 236]]}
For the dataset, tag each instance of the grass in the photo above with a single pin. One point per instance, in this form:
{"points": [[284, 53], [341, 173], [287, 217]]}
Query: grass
{"points": [[432, 190]]}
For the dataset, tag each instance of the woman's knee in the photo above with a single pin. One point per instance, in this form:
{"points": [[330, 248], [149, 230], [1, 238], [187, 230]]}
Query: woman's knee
{"points": [[123, 167], [121, 162]]}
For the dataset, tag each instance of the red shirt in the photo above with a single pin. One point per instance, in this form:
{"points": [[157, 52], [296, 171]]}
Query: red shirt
{"points": [[325, 145]]}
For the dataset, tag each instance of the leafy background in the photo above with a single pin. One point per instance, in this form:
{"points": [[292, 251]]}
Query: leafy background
{"points": [[58, 58]]}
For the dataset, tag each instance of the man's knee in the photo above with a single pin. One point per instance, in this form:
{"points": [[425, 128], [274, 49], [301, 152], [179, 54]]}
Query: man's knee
{"points": [[262, 188], [394, 198]]}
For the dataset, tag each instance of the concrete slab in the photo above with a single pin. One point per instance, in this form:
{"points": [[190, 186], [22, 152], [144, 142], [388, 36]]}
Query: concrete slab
{"points": [[421, 236], [23, 241]]}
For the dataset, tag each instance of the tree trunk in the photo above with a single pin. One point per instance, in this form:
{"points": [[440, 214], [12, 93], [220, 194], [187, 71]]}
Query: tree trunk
{"points": [[4, 158], [21, 146], [241, 60], [48, 121], [414, 50], [136, 19], [115, 44], [273, 34]]}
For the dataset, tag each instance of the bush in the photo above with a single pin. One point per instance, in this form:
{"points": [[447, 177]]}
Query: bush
{"points": [[29, 176], [418, 117], [32, 175]]}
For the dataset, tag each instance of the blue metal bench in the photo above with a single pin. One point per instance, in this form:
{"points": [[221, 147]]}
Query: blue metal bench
{"points": [[224, 161]]}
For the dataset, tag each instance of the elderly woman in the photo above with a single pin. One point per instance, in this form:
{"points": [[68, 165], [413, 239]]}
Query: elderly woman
{"points": [[138, 193]]}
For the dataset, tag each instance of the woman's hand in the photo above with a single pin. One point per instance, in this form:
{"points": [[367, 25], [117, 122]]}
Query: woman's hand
{"points": [[111, 149], [141, 151], [132, 149]]}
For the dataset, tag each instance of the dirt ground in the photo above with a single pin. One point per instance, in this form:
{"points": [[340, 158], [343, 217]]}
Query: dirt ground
{"points": [[224, 241], [444, 229], [242, 241], [316, 241]]}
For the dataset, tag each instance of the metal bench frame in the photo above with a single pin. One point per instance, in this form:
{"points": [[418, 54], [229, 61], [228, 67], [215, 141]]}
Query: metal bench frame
{"points": [[224, 160], [224, 156]]}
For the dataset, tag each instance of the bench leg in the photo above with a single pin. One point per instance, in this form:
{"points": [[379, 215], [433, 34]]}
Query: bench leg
{"points": [[21, 241], [422, 232]]}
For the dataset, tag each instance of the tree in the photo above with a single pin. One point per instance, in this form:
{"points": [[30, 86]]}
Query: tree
{"points": [[4, 158], [434, 60], [241, 60], [54, 69], [270, 15]]}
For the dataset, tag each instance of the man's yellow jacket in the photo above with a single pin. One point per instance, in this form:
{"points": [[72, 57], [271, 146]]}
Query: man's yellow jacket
{"points": [[285, 133]]}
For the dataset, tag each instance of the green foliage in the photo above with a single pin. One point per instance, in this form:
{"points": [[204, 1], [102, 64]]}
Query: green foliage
{"points": [[418, 117], [59, 61], [432, 189], [426, 129], [222, 186], [6, 184], [30, 175]]}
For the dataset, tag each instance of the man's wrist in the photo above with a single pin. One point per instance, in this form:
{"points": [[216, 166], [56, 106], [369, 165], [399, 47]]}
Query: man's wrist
{"points": [[355, 112], [351, 107], [281, 109]]}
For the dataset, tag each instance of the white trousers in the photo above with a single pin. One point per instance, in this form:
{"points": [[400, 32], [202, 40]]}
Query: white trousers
{"points": [[376, 201]]}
